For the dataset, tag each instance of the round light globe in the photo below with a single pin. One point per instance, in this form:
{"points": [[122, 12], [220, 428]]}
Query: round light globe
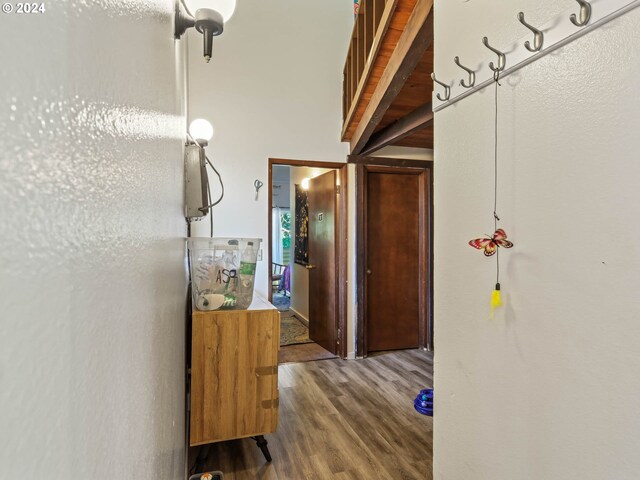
{"points": [[201, 129], [305, 183], [223, 7]]}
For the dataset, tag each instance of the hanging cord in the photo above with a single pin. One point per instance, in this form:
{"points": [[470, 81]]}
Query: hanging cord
{"points": [[496, 219], [221, 187], [186, 8], [211, 204], [210, 212]]}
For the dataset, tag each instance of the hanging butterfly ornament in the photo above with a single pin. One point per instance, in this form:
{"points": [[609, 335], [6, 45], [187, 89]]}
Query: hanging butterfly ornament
{"points": [[492, 244]]}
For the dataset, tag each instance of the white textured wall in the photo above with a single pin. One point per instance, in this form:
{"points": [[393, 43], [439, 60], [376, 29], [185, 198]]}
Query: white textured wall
{"points": [[92, 279], [273, 89], [548, 389]]}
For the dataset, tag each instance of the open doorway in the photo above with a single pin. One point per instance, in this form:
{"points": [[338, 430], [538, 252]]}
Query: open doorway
{"points": [[307, 256], [281, 237]]}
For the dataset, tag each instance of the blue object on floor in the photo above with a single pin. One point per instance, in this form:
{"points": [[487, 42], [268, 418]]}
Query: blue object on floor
{"points": [[424, 402]]}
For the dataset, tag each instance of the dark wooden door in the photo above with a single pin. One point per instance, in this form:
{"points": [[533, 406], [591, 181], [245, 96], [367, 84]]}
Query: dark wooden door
{"points": [[322, 261], [392, 261]]}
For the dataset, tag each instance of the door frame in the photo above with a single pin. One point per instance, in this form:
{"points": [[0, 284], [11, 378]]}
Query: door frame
{"points": [[424, 169], [341, 240]]}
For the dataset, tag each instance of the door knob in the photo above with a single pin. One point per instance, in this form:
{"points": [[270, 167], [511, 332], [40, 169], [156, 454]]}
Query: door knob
{"points": [[310, 267], [368, 272]]}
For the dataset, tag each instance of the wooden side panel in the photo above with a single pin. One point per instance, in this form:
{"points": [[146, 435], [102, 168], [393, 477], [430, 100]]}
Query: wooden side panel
{"points": [[234, 374]]}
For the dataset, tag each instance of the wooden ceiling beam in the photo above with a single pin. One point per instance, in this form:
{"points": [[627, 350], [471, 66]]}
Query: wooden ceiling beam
{"points": [[420, 118], [414, 42]]}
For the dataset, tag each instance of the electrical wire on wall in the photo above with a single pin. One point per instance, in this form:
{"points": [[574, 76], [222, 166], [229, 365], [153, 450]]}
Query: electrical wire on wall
{"points": [[186, 8], [211, 204]]}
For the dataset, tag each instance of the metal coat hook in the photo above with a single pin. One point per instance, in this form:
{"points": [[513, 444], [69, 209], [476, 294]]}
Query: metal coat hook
{"points": [[447, 89], [538, 36], [585, 14], [472, 74], [502, 58]]}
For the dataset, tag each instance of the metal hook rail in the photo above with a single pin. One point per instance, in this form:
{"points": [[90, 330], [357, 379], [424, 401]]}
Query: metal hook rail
{"points": [[447, 89], [554, 34], [538, 36], [585, 14], [471, 73], [502, 58]]}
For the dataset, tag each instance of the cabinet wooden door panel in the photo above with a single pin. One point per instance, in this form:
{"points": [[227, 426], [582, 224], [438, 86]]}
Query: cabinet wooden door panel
{"points": [[234, 374]]}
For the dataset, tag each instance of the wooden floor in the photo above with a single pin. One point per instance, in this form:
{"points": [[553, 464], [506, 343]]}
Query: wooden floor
{"points": [[306, 352], [342, 419]]}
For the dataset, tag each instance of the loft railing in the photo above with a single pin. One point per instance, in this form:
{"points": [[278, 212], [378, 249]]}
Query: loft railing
{"points": [[370, 25]]}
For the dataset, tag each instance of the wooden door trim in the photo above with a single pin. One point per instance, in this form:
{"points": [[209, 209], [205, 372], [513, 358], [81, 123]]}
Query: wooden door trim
{"points": [[389, 162], [341, 228], [424, 169]]}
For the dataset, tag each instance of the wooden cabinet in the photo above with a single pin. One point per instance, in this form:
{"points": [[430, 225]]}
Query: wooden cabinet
{"points": [[234, 373]]}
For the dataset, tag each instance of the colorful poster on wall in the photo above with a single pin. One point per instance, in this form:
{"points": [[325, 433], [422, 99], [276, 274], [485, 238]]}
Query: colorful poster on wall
{"points": [[356, 7], [301, 246]]}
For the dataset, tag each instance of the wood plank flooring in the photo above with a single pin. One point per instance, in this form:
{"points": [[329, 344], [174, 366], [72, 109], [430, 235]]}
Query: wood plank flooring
{"points": [[344, 420], [306, 352]]}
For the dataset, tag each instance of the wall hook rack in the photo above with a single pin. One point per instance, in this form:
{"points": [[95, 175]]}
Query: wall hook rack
{"points": [[471, 73], [538, 36], [447, 89], [585, 14], [557, 32], [502, 58]]}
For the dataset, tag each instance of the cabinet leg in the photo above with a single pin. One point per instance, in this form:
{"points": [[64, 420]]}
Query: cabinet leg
{"points": [[262, 443], [201, 459]]}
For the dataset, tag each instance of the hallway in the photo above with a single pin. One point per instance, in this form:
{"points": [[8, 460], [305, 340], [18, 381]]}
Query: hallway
{"points": [[342, 420]]}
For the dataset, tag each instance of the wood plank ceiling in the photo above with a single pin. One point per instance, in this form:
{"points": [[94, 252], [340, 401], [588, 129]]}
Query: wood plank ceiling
{"points": [[392, 104], [415, 93]]}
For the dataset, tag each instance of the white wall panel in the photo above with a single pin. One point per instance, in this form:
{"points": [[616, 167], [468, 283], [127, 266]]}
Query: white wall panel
{"points": [[92, 270], [549, 388], [273, 89]]}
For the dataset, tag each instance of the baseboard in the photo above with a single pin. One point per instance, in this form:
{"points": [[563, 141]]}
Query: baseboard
{"points": [[300, 317]]}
